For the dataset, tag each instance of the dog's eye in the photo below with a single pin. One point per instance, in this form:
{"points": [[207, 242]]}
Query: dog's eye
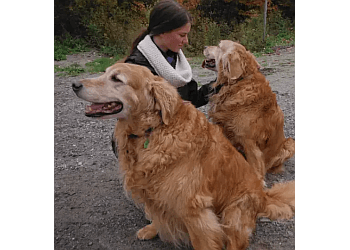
{"points": [[115, 79]]}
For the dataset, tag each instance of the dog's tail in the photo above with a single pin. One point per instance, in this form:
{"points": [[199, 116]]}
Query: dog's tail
{"points": [[280, 201]]}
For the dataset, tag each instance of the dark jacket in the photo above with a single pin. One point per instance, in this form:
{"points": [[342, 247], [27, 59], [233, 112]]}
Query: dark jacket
{"points": [[188, 92]]}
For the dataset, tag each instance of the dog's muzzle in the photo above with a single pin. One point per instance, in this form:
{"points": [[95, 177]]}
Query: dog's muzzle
{"points": [[98, 109], [209, 64]]}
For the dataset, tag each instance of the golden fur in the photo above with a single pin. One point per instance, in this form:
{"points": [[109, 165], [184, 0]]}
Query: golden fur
{"points": [[246, 108], [195, 187]]}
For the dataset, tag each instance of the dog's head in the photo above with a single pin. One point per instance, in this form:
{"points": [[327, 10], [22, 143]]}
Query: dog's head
{"points": [[125, 90], [230, 59]]}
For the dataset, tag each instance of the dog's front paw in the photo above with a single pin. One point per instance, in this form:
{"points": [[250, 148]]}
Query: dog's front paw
{"points": [[147, 233]]}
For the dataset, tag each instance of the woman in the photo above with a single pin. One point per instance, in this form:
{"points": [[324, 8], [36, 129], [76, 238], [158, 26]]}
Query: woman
{"points": [[159, 49]]}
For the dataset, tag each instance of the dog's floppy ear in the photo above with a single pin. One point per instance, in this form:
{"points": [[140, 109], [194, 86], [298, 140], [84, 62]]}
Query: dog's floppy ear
{"points": [[166, 97], [252, 64], [233, 65]]}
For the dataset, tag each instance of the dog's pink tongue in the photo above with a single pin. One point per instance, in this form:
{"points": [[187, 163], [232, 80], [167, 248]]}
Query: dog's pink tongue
{"points": [[93, 108], [97, 106]]}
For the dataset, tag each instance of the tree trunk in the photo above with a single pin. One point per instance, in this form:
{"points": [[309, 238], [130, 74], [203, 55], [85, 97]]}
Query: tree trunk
{"points": [[265, 14]]}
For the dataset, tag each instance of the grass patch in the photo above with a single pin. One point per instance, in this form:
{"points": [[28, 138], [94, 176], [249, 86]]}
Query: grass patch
{"points": [[71, 70], [68, 46], [100, 64], [96, 66]]}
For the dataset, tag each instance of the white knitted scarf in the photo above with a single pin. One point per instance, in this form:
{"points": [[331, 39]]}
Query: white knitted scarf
{"points": [[179, 76]]}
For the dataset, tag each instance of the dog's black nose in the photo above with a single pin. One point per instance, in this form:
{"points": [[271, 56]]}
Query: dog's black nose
{"points": [[205, 47], [77, 86]]}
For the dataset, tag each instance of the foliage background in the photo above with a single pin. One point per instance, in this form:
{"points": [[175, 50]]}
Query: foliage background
{"points": [[111, 25]]}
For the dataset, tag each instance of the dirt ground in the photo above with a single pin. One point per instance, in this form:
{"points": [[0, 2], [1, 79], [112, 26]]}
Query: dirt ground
{"points": [[91, 210]]}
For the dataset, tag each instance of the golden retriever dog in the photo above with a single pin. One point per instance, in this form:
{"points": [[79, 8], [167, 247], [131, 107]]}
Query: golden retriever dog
{"points": [[246, 108], [194, 186]]}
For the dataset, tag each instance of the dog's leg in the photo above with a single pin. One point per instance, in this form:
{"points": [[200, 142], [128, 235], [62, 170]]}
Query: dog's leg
{"points": [[238, 224], [255, 158], [285, 152], [204, 230], [148, 232]]}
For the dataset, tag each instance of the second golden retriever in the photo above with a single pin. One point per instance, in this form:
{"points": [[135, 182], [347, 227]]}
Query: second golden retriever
{"points": [[194, 186], [246, 108]]}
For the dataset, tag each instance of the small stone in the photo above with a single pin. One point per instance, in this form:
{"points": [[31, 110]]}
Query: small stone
{"points": [[90, 243]]}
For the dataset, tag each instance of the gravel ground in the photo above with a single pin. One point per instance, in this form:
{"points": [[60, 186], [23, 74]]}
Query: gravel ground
{"points": [[91, 210]]}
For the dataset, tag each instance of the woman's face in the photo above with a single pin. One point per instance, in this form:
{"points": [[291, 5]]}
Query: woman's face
{"points": [[175, 39]]}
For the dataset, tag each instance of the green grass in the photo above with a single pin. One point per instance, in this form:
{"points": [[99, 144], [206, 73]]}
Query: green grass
{"points": [[100, 64], [96, 66], [71, 70], [68, 46]]}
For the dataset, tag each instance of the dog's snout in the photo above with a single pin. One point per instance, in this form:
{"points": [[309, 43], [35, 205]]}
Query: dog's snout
{"points": [[205, 47], [77, 86]]}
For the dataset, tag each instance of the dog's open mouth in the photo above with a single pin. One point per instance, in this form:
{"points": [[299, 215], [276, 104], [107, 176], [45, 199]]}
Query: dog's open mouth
{"points": [[209, 64], [102, 109]]}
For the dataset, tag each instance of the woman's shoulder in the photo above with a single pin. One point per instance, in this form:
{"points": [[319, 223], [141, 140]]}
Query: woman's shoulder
{"points": [[136, 57]]}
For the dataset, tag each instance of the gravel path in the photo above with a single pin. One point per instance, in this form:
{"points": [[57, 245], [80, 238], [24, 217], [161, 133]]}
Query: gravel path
{"points": [[91, 210]]}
